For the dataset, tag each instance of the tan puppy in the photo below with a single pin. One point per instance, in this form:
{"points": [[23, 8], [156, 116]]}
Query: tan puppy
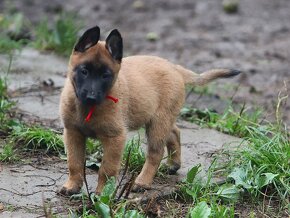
{"points": [[151, 92]]}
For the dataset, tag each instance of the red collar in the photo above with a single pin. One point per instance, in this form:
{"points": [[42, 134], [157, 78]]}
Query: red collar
{"points": [[115, 100]]}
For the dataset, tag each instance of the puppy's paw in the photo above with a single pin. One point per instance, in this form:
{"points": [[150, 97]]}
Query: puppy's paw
{"points": [[69, 189], [140, 188], [172, 168]]}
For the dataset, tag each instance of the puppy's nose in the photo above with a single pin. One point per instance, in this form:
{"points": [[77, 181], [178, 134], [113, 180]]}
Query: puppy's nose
{"points": [[91, 98]]}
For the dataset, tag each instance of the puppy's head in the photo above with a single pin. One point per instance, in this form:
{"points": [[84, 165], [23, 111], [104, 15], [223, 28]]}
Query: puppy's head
{"points": [[94, 65]]}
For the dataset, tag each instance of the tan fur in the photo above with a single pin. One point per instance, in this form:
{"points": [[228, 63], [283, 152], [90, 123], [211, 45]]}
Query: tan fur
{"points": [[151, 92]]}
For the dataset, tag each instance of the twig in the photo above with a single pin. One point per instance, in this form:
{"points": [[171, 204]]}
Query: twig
{"points": [[86, 184], [239, 117], [280, 100], [123, 175], [130, 186]]}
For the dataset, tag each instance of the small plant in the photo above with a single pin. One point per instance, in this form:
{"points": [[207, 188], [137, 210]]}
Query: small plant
{"points": [[205, 195], [262, 168], [37, 138], [136, 154], [231, 122], [60, 38], [93, 146], [94, 151], [13, 33], [5, 103], [106, 206], [8, 154]]}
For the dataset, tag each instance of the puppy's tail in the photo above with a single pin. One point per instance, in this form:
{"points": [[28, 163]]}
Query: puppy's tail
{"points": [[205, 77]]}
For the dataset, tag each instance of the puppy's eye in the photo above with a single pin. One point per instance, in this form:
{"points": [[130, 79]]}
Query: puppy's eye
{"points": [[106, 75], [84, 72]]}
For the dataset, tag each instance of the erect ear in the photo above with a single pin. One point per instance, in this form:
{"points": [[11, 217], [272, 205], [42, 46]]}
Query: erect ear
{"points": [[88, 39], [114, 44]]}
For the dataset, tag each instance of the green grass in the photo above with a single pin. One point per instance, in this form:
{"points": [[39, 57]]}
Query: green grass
{"points": [[57, 35], [36, 137], [15, 132], [231, 122], [262, 167], [12, 32], [59, 38], [135, 153], [256, 171], [105, 205], [8, 154], [5, 103]]}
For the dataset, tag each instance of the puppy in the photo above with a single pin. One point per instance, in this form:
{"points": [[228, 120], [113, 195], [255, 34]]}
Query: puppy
{"points": [[105, 95]]}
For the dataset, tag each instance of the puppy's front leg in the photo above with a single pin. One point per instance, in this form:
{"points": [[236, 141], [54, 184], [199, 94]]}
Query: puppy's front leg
{"points": [[75, 145], [111, 162]]}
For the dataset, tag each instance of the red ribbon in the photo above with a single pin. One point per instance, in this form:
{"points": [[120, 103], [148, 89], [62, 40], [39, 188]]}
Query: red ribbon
{"points": [[115, 100]]}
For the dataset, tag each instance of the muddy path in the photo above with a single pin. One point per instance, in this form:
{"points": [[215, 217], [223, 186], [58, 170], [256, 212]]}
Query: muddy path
{"points": [[200, 36]]}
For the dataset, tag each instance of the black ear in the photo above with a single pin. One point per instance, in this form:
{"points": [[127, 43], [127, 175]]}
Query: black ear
{"points": [[114, 44], [88, 39]]}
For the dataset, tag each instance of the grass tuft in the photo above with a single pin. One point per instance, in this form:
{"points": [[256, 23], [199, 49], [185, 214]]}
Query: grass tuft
{"points": [[8, 154], [60, 37], [263, 166], [137, 155], [38, 138], [231, 122]]}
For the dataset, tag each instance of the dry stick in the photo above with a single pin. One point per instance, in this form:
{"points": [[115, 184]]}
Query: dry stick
{"points": [[86, 184], [123, 175], [240, 115], [130, 185]]}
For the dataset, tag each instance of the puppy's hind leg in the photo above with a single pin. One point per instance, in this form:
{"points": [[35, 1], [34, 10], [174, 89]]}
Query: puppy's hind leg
{"points": [[157, 133], [174, 151]]}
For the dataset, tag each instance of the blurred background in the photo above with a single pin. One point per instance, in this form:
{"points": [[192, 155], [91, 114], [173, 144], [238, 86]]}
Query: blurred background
{"points": [[250, 35]]}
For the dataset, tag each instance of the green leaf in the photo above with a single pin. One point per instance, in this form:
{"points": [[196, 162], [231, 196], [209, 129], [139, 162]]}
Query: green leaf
{"points": [[132, 214], [109, 187], [240, 177], [265, 179], [102, 209], [201, 210], [227, 192], [192, 173]]}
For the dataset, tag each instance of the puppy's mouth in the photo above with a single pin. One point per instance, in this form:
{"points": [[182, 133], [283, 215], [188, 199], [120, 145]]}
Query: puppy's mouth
{"points": [[92, 107]]}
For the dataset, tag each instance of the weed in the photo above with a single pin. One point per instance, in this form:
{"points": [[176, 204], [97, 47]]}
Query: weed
{"points": [[8, 154], [259, 170], [205, 195], [231, 122], [60, 37], [37, 138], [5, 103], [13, 33], [105, 205], [8, 45], [137, 155], [93, 146], [262, 167]]}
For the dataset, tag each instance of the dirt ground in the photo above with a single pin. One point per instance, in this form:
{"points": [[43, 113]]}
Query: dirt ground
{"points": [[200, 36]]}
